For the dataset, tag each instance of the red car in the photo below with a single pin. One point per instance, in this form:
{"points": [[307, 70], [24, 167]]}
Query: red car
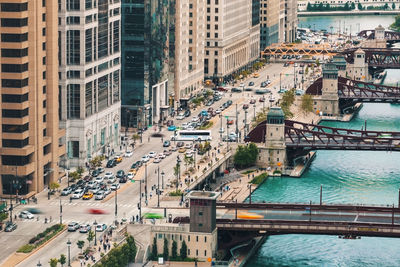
{"points": [[245, 106], [262, 99], [252, 101], [97, 211], [230, 122]]}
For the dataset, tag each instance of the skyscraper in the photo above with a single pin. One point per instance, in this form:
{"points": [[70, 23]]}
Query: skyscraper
{"points": [[147, 88], [31, 140], [89, 58], [269, 22]]}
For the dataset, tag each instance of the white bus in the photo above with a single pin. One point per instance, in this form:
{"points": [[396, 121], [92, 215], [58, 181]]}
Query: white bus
{"points": [[195, 135]]}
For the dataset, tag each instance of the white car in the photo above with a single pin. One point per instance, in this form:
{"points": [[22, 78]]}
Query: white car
{"points": [[91, 184], [111, 180], [195, 119], [157, 160], [190, 128], [101, 227], [130, 175], [107, 191], [188, 145], [189, 154], [221, 130], [152, 154], [180, 116], [161, 156], [99, 179], [99, 196], [26, 215], [77, 194], [108, 175], [114, 187], [241, 85], [145, 158], [128, 154]]}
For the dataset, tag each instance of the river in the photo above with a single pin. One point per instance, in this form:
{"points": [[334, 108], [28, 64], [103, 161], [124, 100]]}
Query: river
{"points": [[346, 177]]}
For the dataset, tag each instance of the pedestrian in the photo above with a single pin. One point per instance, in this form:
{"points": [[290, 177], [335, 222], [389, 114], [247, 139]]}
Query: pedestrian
{"points": [[81, 262], [50, 218], [107, 240], [105, 246], [15, 217], [99, 248], [108, 246], [148, 139]]}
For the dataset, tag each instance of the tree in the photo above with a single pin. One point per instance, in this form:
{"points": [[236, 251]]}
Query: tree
{"points": [[154, 250], [246, 156], [307, 103], [309, 7], [132, 248], [359, 6], [174, 250], [396, 24], [80, 244], [346, 6], [53, 262], [393, 6], [386, 6], [317, 62], [90, 236], [165, 249], [62, 260], [135, 137], [353, 6], [53, 186], [183, 250]]}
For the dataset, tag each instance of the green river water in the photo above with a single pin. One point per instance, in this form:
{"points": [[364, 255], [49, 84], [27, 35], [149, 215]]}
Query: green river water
{"points": [[346, 177]]}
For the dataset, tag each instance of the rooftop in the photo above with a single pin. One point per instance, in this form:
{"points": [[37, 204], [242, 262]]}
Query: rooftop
{"points": [[203, 195], [275, 112]]}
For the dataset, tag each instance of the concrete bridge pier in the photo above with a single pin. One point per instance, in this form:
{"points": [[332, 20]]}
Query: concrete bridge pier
{"points": [[358, 70]]}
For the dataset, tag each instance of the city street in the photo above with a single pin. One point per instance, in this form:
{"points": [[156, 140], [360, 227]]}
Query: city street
{"points": [[128, 194]]}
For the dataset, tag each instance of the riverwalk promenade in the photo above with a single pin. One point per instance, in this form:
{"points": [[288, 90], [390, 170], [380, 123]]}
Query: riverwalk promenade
{"points": [[352, 12]]}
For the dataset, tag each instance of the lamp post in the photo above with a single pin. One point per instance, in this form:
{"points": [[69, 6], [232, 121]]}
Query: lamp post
{"points": [[249, 186], [60, 211], [245, 123], [95, 232], [140, 200], [158, 187], [254, 106], [220, 130], [69, 252], [145, 177], [39, 264], [178, 165], [116, 205], [162, 178]]}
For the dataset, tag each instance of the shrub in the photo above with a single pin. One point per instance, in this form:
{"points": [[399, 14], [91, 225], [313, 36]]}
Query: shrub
{"points": [[259, 179], [177, 193], [26, 248], [277, 172]]}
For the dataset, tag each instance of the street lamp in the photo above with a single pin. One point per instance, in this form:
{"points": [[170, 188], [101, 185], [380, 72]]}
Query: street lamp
{"points": [[158, 187], [39, 264], [254, 106], [162, 178], [178, 165], [95, 232], [220, 130], [60, 211], [69, 252], [145, 176]]}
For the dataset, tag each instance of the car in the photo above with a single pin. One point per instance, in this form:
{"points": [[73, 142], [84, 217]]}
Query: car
{"points": [[99, 179], [248, 89], [218, 111], [187, 113], [182, 150], [25, 215], [174, 148], [236, 90], [107, 191], [66, 191], [130, 175], [101, 170], [221, 130], [92, 184], [87, 195], [73, 226], [84, 228], [81, 182], [152, 154], [284, 56], [96, 189], [171, 128], [189, 154], [281, 91], [123, 180], [108, 175], [229, 102], [95, 211], [161, 156], [101, 227], [213, 113], [167, 153], [99, 195], [120, 174], [111, 163], [166, 143], [180, 144], [157, 160], [271, 99], [118, 159], [10, 227], [95, 173], [245, 106], [241, 85], [170, 122], [262, 99], [111, 180], [188, 145], [195, 119], [73, 187], [145, 158], [229, 122], [34, 210], [209, 103], [190, 128], [128, 154], [251, 83], [210, 109], [204, 113], [77, 194], [180, 116], [114, 186], [252, 101], [286, 64], [263, 84]]}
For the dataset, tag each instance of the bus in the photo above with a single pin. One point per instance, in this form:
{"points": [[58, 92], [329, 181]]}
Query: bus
{"points": [[195, 135]]}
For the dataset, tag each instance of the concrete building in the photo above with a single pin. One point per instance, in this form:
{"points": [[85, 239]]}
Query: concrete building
{"points": [[302, 4], [32, 142], [189, 48], [90, 53], [147, 83], [358, 70], [232, 37], [269, 22], [291, 21]]}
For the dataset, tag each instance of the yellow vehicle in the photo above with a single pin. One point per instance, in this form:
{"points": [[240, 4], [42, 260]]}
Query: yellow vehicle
{"points": [[182, 150], [87, 195], [256, 75], [118, 158], [133, 171], [208, 82]]}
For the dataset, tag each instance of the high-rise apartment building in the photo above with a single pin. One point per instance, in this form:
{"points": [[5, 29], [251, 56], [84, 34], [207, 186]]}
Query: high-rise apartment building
{"points": [[147, 82], [90, 64], [31, 142], [232, 37], [291, 21], [269, 22], [189, 48]]}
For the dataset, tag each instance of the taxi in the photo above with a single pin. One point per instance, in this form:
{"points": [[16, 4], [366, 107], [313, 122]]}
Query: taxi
{"points": [[87, 195]]}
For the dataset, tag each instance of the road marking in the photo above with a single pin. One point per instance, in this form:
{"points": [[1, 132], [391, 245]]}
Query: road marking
{"points": [[356, 218]]}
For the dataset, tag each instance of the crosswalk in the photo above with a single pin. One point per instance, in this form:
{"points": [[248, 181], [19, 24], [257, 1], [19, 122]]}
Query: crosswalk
{"points": [[89, 204]]}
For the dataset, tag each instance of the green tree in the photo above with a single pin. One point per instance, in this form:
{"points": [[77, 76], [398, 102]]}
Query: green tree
{"points": [[62, 260], [359, 6], [132, 248], [165, 250], [53, 185], [80, 244], [346, 6], [353, 6], [135, 137], [386, 6], [245, 156], [396, 24], [183, 250], [53, 262], [393, 6], [154, 250], [90, 236], [174, 250], [307, 103]]}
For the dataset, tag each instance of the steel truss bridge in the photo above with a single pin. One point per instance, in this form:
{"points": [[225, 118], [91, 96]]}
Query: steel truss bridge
{"points": [[389, 35], [383, 58], [299, 49]]}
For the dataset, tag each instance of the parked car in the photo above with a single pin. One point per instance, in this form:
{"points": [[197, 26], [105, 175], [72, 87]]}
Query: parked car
{"points": [[84, 228], [118, 159], [152, 154], [95, 173], [236, 90], [120, 174], [128, 154], [166, 143], [123, 180], [99, 179], [230, 122], [262, 99], [66, 191], [180, 116], [130, 175], [229, 102], [101, 227], [78, 194], [209, 103], [180, 144], [107, 191], [182, 150], [108, 175], [170, 122], [187, 113], [25, 215], [145, 158], [73, 226], [111, 180], [252, 101], [99, 195], [221, 130], [10, 227], [114, 186], [171, 128], [101, 170], [263, 84], [167, 152], [245, 106], [87, 195], [251, 83], [92, 184], [157, 160], [195, 119], [111, 163]]}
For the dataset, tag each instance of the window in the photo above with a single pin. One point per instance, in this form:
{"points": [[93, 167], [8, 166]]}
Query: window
{"points": [[44, 75], [216, 10], [11, 128], [14, 52], [44, 89], [44, 17], [116, 36], [15, 113], [14, 7], [10, 83], [15, 160], [75, 149], [88, 4], [44, 46], [15, 143], [216, 26], [44, 104], [216, 35], [73, 45], [14, 37], [44, 118], [43, 31], [208, 18], [208, 26], [216, 18], [73, 101], [216, 53], [208, 35], [197, 252], [189, 238], [44, 60], [73, 20], [205, 253], [205, 239], [73, 5], [44, 132], [88, 45], [197, 238], [71, 74], [14, 22], [7, 98], [14, 68]]}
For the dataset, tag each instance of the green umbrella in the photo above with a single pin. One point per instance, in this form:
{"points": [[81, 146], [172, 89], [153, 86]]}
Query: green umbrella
{"points": [[152, 216]]}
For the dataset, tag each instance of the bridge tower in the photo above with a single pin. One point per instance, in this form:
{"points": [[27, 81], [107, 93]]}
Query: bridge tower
{"points": [[328, 101], [273, 151], [359, 69]]}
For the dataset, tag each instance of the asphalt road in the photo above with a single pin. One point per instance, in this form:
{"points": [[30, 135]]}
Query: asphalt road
{"points": [[128, 195]]}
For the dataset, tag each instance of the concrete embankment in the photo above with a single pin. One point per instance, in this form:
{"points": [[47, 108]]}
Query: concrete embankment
{"points": [[350, 13]]}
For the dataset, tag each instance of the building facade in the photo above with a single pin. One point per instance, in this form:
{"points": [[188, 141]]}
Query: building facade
{"points": [[32, 142], [232, 37], [90, 55], [269, 22], [189, 48], [147, 84], [291, 21]]}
